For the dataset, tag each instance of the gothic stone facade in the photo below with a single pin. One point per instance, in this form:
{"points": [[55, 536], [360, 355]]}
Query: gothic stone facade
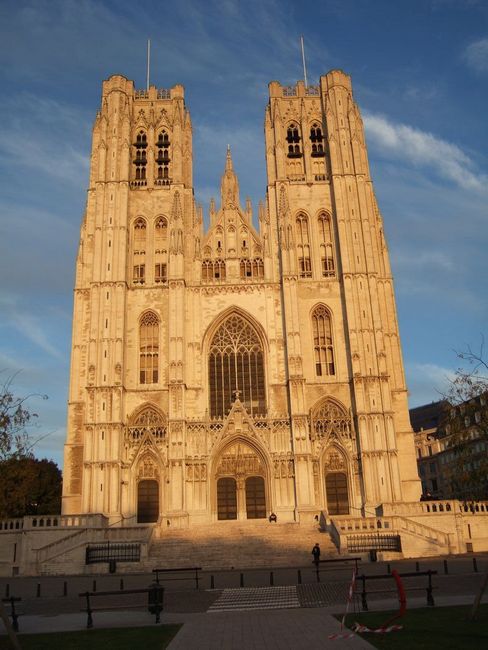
{"points": [[234, 372]]}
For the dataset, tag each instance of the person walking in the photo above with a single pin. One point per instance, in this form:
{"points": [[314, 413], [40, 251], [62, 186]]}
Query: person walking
{"points": [[316, 555]]}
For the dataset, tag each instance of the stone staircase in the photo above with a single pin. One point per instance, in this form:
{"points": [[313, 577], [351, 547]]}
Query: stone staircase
{"points": [[235, 544]]}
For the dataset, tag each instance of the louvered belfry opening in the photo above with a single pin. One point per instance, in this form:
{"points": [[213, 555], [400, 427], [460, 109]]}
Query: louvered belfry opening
{"points": [[236, 363]]}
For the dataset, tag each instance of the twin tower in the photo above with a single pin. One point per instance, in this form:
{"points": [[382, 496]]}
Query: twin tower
{"points": [[230, 372]]}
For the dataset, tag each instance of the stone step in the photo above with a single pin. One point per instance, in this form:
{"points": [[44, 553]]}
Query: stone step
{"points": [[238, 545]]}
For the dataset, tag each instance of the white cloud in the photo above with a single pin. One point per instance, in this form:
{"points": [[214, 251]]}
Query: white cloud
{"points": [[426, 150], [427, 382], [39, 133], [476, 55], [28, 325]]}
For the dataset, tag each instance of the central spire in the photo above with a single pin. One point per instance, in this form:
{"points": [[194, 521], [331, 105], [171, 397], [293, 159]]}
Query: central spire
{"points": [[230, 184]]}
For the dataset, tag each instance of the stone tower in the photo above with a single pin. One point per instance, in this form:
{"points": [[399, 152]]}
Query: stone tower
{"points": [[230, 373]]}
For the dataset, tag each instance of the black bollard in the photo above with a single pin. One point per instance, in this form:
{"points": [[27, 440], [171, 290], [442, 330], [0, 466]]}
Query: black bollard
{"points": [[271, 578], [65, 588], [7, 590], [417, 566], [121, 584], [242, 580], [388, 568], [475, 565], [94, 586], [446, 570], [212, 582], [299, 577]]}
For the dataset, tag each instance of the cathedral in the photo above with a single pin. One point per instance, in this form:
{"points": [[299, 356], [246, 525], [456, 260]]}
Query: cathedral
{"points": [[245, 369]]}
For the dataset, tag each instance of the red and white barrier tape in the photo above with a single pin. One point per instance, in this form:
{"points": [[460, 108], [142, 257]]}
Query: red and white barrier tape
{"points": [[379, 630], [341, 634]]}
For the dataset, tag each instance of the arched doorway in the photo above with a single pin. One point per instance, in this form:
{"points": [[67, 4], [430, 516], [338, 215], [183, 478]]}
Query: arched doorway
{"points": [[147, 501], [255, 498], [241, 483], [226, 498], [337, 493]]}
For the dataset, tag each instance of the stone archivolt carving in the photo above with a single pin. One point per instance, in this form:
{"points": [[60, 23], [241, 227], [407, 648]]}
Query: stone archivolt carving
{"points": [[331, 419], [147, 468], [240, 460], [148, 421], [334, 461]]}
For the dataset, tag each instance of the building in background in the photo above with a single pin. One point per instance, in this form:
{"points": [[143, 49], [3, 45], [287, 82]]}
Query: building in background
{"points": [[451, 444]]}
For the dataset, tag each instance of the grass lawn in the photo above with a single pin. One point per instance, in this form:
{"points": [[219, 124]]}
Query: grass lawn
{"points": [[434, 627], [126, 638]]}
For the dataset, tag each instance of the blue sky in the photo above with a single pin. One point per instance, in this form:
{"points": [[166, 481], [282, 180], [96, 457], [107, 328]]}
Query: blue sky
{"points": [[420, 74]]}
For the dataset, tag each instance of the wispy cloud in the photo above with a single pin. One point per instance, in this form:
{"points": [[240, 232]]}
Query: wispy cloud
{"points": [[39, 133], [28, 325], [426, 150], [427, 382], [476, 55]]}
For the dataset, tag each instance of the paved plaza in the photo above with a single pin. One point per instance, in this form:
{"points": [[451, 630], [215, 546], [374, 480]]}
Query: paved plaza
{"points": [[260, 615]]}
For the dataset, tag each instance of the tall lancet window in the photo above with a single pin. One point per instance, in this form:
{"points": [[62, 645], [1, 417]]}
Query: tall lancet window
{"points": [[326, 248], [161, 251], [162, 158], [140, 157], [236, 368], [149, 348], [322, 342], [139, 251], [303, 247]]}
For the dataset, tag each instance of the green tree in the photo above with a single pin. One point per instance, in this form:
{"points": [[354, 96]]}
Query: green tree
{"points": [[29, 486]]}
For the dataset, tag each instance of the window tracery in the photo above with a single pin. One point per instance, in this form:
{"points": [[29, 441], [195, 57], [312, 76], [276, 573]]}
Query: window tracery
{"points": [[140, 158], [139, 251], [149, 420], [322, 341], [303, 247], [149, 349], [236, 363], [213, 270], [252, 268], [317, 140], [162, 159], [326, 248], [293, 140], [331, 419], [160, 251]]}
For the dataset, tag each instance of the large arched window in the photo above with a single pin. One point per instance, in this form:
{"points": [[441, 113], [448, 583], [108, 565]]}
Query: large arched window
{"points": [[303, 247], [326, 250], [322, 342], [149, 348], [236, 363]]}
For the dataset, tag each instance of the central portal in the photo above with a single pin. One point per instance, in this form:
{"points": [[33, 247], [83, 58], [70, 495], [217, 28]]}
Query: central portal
{"points": [[241, 483]]}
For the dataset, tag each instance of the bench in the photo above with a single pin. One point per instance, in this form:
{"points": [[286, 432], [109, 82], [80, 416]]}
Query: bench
{"points": [[179, 571], [154, 602], [415, 574], [343, 561]]}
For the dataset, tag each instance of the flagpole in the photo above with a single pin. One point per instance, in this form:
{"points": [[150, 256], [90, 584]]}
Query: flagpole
{"points": [[303, 61], [148, 61]]}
